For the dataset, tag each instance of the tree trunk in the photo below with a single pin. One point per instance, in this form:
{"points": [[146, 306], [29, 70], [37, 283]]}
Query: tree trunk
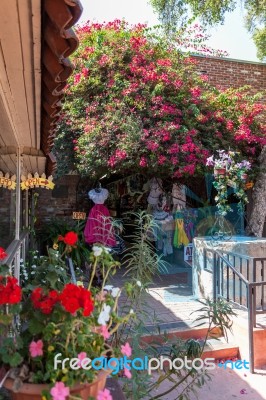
{"points": [[258, 214]]}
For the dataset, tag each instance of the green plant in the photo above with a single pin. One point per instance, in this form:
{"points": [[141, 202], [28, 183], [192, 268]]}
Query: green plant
{"points": [[141, 259], [217, 314], [50, 271], [52, 229]]}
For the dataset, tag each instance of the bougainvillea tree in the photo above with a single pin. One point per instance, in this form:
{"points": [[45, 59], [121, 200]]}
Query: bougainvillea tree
{"points": [[136, 103]]}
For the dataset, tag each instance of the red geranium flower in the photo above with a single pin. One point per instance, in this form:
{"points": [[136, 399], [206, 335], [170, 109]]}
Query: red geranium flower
{"points": [[36, 295], [15, 296], [2, 253], [54, 295], [10, 291], [70, 306], [88, 305], [76, 297], [71, 238], [46, 306], [44, 302]]}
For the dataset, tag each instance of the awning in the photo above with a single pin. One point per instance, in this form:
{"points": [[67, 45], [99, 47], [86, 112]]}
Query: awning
{"points": [[36, 40]]}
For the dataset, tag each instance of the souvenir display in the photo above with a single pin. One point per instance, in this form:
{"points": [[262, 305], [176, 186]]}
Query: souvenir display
{"points": [[155, 186], [163, 230], [166, 201], [179, 197], [180, 237]]}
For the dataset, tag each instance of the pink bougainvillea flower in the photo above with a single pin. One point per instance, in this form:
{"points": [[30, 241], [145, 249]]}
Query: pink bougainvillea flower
{"points": [[143, 162], [127, 373], [126, 349], [59, 391], [104, 332], [36, 348], [81, 357], [104, 395]]}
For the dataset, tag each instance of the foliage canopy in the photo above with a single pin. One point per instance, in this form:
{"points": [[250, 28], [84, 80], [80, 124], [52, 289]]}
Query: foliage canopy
{"points": [[137, 104]]}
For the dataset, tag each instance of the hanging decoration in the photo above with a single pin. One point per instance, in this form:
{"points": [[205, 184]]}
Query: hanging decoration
{"points": [[36, 181], [7, 182], [229, 171]]}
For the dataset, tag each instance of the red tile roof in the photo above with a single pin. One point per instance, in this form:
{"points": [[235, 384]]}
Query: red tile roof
{"points": [[58, 42]]}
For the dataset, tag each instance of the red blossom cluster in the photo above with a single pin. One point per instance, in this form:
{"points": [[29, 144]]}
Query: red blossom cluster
{"points": [[72, 299], [44, 302], [3, 254], [70, 238], [10, 291], [75, 297]]}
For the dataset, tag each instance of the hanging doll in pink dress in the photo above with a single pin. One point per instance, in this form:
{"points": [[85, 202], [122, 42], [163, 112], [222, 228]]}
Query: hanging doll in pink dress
{"points": [[98, 228]]}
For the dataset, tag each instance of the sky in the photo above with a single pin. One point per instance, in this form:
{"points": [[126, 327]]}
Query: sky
{"points": [[231, 37]]}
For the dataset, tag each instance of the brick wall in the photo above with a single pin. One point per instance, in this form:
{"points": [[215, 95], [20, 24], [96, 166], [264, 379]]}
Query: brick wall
{"points": [[226, 73], [57, 203]]}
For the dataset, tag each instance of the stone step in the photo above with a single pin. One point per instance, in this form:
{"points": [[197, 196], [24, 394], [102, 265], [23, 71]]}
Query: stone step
{"points": [[216, 347], [181, 331], [220, 349]]}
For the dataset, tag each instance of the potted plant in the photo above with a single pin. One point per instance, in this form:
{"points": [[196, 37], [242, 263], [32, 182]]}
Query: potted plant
{"points": [[59, 346], [219, 164], [219, 169]]}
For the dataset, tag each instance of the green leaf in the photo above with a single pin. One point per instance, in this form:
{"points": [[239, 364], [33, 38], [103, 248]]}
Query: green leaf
{"points": [[13, 360], [52, 277], [35, 327]]}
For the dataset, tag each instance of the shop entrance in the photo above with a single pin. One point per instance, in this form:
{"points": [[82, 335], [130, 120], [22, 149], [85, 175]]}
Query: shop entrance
{"points": [[179, 213]]}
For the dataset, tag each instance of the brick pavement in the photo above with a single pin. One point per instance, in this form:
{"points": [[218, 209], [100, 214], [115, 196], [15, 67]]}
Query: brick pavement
{"points": [[169, 298]]}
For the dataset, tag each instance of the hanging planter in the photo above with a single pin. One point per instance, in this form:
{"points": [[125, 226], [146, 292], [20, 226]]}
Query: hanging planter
{"points": [[220, 171], [229, 172]]}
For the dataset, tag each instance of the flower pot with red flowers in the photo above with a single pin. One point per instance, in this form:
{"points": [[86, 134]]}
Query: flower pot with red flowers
{"points": [[63, 328]]}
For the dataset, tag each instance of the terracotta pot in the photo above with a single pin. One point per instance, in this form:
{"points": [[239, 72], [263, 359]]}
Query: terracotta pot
{"points": [[31, 391], [219, 171]]}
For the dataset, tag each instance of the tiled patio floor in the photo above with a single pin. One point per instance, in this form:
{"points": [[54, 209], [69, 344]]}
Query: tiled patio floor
{"points": [[169, 297], [224, 385]]}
